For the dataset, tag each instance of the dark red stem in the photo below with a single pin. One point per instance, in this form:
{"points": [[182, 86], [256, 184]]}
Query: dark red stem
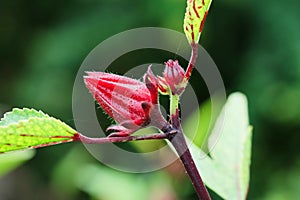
{"points": [[180, 145]]}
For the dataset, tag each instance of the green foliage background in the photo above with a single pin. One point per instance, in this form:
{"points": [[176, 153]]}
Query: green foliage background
{"points": [[255, 44]]}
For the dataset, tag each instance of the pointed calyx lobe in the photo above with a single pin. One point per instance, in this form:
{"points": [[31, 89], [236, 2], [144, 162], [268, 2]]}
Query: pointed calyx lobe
{"points": [[131, 103]]}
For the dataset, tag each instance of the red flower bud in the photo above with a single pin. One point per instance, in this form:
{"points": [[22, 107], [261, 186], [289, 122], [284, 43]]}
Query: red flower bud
{"points": [[174, 77], [128, 101]]}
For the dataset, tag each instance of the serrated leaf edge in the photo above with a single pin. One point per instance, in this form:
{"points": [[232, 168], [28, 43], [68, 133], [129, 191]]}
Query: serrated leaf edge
{"points": [[16, 110]]}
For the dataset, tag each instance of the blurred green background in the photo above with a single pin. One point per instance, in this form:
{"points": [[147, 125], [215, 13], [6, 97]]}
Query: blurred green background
{"points": [[255, 44]]}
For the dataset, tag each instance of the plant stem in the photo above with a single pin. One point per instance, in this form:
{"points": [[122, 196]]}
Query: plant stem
{"points": [[179, 143], [192, 61], [174, 101], [89, 140]]}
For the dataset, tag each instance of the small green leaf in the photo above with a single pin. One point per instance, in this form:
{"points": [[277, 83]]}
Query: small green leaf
{"points": [[227, 171], [11, 160], [28, 128], [195, 15]]}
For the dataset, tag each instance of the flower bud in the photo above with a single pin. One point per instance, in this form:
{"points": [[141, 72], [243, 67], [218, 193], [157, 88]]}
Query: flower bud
{"points": [[174, 77], [128, 101]]}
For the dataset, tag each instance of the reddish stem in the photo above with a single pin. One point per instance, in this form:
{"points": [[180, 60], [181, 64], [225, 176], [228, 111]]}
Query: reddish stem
{"points": [[180, 145], [89, 140], [192, 61]]}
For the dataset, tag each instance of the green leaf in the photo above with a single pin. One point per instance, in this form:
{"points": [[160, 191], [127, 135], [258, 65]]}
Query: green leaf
{"points": [[10, 161], [195, 16], [28, 128], [227, 171]]}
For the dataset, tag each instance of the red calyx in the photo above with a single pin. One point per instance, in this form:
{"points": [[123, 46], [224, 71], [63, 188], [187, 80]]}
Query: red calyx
{"points": [[128, 101]]}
